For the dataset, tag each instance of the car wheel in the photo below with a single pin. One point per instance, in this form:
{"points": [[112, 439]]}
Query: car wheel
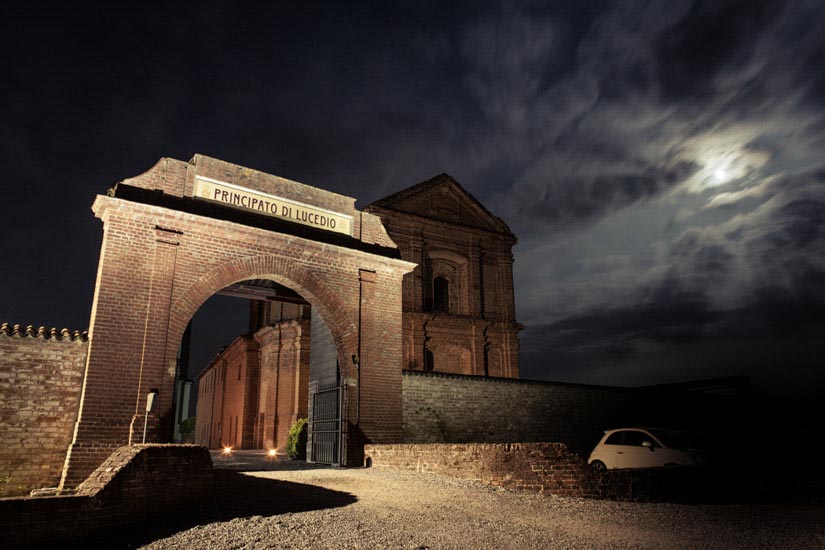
{"points": [[598, 466]]}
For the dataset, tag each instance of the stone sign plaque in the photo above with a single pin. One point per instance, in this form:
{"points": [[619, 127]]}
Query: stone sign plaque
{"points": [[270, 205]]}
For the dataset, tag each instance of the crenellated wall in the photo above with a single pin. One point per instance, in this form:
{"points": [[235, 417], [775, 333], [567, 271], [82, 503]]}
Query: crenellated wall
{"points": [[41, 375]]}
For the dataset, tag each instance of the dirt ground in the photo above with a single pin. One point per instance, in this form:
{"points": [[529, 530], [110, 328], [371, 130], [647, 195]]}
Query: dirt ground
{"points": [[299, 506]]}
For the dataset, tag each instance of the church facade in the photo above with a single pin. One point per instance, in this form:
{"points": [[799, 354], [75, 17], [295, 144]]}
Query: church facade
{"points": [[458, 303]]}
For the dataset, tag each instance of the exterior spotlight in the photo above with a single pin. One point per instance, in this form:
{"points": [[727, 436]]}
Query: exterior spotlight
{"points": [[227, 450], [271, 452]]}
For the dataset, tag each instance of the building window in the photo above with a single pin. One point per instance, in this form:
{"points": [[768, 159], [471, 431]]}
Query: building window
{"points": [[441, 295], [429, 360]]}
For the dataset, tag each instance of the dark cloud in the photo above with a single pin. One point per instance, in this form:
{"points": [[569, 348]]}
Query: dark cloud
{"points": [[672, 318], [756, 281], [711, 38], [657, 160], [655, 85], [777, 334], [582, 198]]}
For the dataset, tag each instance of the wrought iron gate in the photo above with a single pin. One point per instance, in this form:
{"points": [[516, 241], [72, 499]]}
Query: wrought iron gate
{"points": [[326, 426]]}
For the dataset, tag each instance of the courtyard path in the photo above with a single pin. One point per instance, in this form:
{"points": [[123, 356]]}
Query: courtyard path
{"points": [[311, 507]]}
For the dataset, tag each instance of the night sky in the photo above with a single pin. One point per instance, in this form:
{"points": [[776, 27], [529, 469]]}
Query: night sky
{"points": [[661, 163]]}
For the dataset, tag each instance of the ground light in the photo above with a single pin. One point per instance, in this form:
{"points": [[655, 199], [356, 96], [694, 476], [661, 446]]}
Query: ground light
{"points": [[271, 452], [227, 450]]}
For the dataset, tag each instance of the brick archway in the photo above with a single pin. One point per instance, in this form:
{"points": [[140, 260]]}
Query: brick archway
{"points": [[297, 277], [326, 303], [166, 250]]}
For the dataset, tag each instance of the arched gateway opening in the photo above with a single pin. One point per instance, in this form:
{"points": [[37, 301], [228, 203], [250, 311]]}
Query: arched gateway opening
{"points": [[258, 358], [184, 231]]}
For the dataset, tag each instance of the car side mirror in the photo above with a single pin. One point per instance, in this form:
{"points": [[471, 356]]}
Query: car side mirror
{"points": [[648, 444]]}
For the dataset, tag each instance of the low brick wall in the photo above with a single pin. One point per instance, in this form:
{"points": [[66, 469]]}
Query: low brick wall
{"points": [[542, 467], [135, 483], [41, 373], [551, 468], [452, 408]]}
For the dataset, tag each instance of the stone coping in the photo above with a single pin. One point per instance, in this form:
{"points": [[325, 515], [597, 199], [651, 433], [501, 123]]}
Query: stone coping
{"points": [[43, 332]]}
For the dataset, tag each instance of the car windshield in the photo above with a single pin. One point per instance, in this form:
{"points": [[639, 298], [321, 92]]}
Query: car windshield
{"points": [[670, 439]]}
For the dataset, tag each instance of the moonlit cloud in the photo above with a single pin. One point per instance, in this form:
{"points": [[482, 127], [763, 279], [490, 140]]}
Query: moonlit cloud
{"points": [[698, 113], [661, 162]]}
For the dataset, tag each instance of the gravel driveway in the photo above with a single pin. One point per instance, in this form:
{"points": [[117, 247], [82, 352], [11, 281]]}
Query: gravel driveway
{"points": [[357, 508]]}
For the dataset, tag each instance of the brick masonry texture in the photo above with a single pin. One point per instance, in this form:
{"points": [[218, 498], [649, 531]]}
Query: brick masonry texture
{"points": [[177, 178], [225, 414], [135, 483], [158, 265], [165, 252], [551, 468], [252, 392], [470, 329], [41, 373], [459, 303], [462, 409]]}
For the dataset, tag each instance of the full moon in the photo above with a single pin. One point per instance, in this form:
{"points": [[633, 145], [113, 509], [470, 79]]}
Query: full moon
{"points": [[720, 175]]}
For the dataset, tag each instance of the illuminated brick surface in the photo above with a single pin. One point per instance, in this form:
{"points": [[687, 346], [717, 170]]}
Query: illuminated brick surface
{"points": [[38, 404], [451, 236], [158, 265]]}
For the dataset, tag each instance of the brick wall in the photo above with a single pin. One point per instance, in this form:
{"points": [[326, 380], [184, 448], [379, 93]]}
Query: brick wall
{"points": [[41, 373], [135, 483], [551, 468], [228, 398], [542, 467], [460, 409]]}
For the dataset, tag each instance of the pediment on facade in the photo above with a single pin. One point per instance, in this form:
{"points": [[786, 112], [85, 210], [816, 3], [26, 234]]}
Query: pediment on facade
{"points": [[443, 198]]}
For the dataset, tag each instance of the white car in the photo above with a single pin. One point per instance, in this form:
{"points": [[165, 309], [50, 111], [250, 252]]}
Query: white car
{"points": [[642, 448]]}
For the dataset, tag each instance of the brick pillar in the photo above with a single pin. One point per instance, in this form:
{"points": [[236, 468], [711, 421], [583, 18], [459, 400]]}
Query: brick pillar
{"points": [[270, 342], [251, 390], [127, 346], [288, 369], [374, 412], [159, 363]]}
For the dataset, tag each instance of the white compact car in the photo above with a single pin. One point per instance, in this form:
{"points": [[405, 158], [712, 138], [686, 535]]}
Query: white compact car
{"points": [[642, 448]]}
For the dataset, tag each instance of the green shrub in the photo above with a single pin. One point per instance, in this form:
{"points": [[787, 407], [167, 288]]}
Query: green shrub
{"points": [[187, 430], [187, 426], [296, 442]]}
